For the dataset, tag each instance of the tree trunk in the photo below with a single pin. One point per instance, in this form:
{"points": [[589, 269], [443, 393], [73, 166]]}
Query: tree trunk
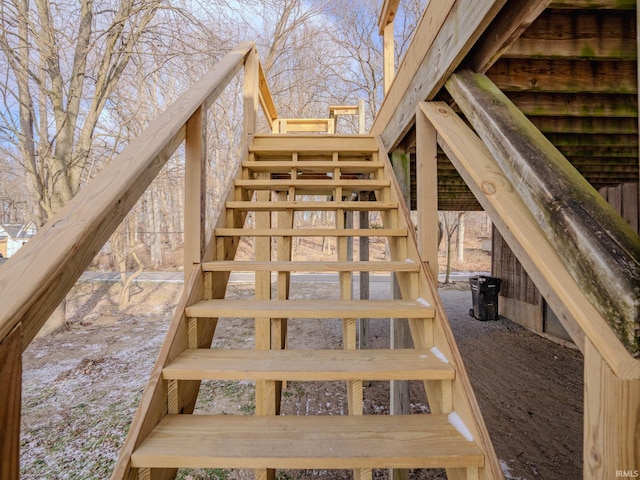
{"points": [[448, 272], [57, 321], [461, 226]]}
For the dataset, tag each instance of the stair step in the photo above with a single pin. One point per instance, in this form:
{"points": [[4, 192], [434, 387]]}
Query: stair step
{"points": [[308, 365], [361, 145], [306, 442], [316, 166], [300, 205], [311, 309], [300, 266], [314, 184], [310, 232]]}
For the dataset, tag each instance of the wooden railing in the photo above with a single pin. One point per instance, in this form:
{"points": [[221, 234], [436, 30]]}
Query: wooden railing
{"points": [[39, 276], [612, 374]]}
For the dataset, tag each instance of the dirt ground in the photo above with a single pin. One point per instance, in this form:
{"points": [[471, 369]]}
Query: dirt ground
{"points": [[81, 386]]}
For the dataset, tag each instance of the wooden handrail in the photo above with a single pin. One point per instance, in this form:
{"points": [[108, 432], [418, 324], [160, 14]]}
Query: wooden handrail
{"points": [[514, 221], [39, 276], [266, 101]]}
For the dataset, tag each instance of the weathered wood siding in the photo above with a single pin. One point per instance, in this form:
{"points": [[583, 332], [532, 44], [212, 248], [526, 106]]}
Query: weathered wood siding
{"points": [[625, 200], [516, 283]]}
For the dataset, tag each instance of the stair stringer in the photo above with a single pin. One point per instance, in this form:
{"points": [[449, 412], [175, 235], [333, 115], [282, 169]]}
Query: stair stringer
{"points": [[154, 404], [460, 398]]}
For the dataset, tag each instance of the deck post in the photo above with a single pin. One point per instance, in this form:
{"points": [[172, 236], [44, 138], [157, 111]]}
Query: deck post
{"points": [[251, 91], [11, 381], [427, 191], [400, 334], [195, 199], [611, 421]]}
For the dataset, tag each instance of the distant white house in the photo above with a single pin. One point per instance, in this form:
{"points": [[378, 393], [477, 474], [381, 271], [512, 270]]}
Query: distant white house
{"points": [[13, 236]]}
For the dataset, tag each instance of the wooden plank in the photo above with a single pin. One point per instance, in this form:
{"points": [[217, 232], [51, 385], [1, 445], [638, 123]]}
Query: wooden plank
{"points": [[308, 365], [446, 33], [314, 184], [285, 165], [309, 266], [251, 90], [427, 192], [597, 4], [311, 308], [525, 237], [266, 100], [564, 76], [611, 420], [336, 110], [595, 125], [576, 105], [318, 125], [514, 19], [387, 13], [61, 250], [310, 232], [630, 205], [388, 57], [195, 188], [313, 143], [302, 205], [11, 381], [600, 249], [307, 442], [578, 35]]}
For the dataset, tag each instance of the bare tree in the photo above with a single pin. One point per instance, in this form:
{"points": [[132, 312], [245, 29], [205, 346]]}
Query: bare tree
{"points": [[450, 222]]}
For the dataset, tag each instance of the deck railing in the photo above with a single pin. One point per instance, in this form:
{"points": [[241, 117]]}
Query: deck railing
{"points": [[39, 276]]}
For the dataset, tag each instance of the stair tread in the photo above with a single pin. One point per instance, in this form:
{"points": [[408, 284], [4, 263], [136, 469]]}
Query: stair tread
{"points": [[308, 365], [311, 232], [303, 266], [314, 144], [313, 184], [311, 205], [306, 442], [286, 164], [312, 308]]}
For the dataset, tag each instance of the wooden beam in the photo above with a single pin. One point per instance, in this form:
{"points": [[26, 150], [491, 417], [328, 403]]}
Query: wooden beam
{"points": [[446, 33], [599, 247], [578, 35], [195, 188], [427, 192], [594, 4], [564, 76], [266, 100], [611, 420], [388, 57], [594, 125], [251, 92], [524, 234], [11, 381], [576, 104], [506, 28], [61, 250], [387, 14]]}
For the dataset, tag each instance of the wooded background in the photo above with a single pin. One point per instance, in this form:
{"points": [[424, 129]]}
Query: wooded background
{"points": [[79, 80]]}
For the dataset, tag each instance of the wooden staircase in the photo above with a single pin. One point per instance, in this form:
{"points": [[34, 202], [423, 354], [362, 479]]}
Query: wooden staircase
{"points": [[282, 175]]}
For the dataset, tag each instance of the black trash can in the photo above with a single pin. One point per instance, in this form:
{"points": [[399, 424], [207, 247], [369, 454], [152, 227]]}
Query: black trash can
{"points": [[484, 294]]}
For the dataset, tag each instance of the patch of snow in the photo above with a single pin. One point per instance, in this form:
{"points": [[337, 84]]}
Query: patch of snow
{"points": [[507, 472], [439, 354], [422, 301], [456, 421]]}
